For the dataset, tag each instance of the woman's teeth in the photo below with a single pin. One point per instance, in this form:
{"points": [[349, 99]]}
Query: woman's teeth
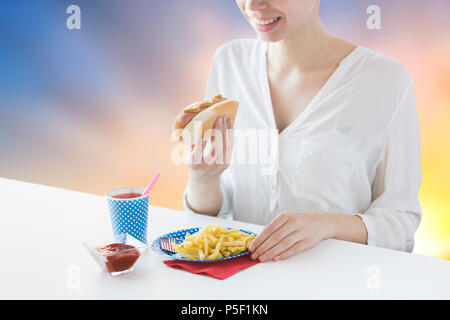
{"points": [[264, 22]]}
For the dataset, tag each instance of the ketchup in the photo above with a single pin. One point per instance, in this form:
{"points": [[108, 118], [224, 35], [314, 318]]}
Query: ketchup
{"points": [[119, 256], [130, 195]]}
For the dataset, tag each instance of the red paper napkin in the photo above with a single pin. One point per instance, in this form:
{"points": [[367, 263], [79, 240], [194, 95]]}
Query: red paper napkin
{"points": [[216, 269]]}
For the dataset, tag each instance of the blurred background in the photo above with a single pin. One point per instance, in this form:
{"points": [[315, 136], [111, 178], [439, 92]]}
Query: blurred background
{"points": [[92, 109]]}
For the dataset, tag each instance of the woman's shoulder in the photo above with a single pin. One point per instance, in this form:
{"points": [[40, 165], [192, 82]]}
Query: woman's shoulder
{"points": [[386, 81], [383, 69]]}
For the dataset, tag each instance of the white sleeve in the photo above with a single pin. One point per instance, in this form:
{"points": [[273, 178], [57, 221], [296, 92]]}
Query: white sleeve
{"points": [[212, 89], [394, 214]]}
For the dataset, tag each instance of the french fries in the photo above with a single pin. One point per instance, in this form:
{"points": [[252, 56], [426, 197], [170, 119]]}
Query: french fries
{"points": [[212, 242]]}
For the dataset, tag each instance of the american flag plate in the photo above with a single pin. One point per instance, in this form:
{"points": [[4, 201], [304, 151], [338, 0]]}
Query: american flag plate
{"points": [[163, 246]]}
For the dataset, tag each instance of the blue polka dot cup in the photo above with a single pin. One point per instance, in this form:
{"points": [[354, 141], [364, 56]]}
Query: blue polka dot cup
{"points": [[128, 214]]}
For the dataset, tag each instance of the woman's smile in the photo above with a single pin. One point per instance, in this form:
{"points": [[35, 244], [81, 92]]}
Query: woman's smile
{"points": [[265, 24]]}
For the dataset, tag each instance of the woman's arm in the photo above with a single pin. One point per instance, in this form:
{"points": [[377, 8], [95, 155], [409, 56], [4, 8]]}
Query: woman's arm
{"points": [[344, 227], [290, 233], [394, 214], [203, 194], [207, 161]]}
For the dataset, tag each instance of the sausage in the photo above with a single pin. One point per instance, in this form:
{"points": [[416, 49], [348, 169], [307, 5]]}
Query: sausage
{"points": [[187, 116]]}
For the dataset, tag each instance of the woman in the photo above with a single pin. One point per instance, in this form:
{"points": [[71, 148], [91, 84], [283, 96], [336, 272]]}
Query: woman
{"points": [[348, 143]]}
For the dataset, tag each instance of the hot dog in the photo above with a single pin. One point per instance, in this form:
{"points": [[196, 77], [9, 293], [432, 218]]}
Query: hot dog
{"points": [[196, 119]]}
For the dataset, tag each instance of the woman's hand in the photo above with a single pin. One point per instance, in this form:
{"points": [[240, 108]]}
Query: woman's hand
{"points": [[209, 158], [288, 234], [291, 233]]}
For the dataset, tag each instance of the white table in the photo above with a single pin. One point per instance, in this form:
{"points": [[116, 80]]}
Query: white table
{"points": [[42, 258]]}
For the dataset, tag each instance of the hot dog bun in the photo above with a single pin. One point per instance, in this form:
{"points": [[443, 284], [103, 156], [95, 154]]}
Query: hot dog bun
{"points": [[203, 121]]}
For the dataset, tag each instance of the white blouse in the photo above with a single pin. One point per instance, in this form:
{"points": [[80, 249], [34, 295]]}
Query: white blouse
{"points": [[355, 149]]}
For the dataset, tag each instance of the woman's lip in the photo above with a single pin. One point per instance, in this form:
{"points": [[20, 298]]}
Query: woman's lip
{"points": [[266, 27]]}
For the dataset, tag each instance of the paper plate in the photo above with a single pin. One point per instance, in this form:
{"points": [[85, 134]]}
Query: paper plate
{"points": [[181, 234]]}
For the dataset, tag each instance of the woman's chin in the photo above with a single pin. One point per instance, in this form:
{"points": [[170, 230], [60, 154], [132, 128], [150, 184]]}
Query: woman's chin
{"points": [[270, 37]]}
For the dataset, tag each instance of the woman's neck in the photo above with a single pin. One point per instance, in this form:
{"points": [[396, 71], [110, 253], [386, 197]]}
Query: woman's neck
{"points": [[309, 48]]}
